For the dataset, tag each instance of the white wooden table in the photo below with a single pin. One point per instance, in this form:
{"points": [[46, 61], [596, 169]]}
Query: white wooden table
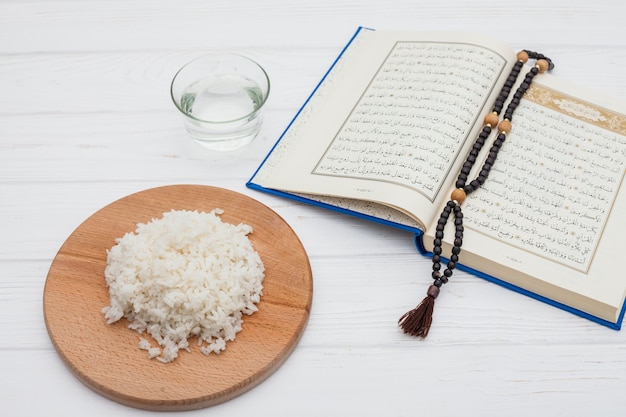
{"points": [[86, 118]]}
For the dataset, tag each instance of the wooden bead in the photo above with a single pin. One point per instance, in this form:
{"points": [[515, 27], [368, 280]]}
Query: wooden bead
{"points": [[522, 56], [433, 291], [504, 126], [542, 65], [492, 119], [458, 195]]}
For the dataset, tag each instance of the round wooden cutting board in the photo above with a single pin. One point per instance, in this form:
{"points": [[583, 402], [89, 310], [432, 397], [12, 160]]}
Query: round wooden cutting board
{"points": [[106, 357]]}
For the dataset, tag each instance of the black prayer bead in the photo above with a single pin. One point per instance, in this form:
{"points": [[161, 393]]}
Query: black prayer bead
{"points": [[456, 250], [451, 265], [437, 242], [437, 250], [454, 258], [438, 283], [439, 235], [447, 273], [520, 95], [436, 266], [436, 258]]}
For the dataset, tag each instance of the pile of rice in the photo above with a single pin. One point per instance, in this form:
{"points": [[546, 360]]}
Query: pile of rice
{"points": [[187, 274]]}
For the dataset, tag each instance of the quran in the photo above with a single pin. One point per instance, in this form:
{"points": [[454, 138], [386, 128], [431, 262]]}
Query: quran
{"points": [[385, 133]]}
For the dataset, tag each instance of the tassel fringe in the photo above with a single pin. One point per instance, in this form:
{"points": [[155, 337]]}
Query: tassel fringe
{"points": [[417, 322]]}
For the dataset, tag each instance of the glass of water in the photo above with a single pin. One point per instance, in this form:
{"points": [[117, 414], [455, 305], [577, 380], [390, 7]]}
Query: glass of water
{"points": [[221, 97]]}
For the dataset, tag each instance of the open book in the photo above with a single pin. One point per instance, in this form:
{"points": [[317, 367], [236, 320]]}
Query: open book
{"points": [[384, 134]]}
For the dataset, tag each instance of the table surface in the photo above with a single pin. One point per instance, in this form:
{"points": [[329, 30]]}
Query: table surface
{"points": [[86, 118]]}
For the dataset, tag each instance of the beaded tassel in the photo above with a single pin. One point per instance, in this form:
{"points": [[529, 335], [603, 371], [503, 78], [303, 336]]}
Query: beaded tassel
{"points": [[417, 322]]}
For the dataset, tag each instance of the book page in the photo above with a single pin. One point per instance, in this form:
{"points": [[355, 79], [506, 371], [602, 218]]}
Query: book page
{"points": [[555, 182], [551, 208], [389, 123], [409, 124]]}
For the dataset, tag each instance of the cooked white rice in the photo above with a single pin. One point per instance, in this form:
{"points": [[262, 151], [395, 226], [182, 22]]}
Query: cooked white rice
{"points": [[187, 274]]}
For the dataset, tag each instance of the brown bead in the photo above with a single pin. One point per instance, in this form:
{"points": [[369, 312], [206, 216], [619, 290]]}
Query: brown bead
{"points": [[542, 65], [458, 195], [492, 119], [504, 126], [522, 56], [433, 291]]}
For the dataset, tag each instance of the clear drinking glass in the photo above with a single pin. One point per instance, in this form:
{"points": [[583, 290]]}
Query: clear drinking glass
{"points": [[221, 97]]}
